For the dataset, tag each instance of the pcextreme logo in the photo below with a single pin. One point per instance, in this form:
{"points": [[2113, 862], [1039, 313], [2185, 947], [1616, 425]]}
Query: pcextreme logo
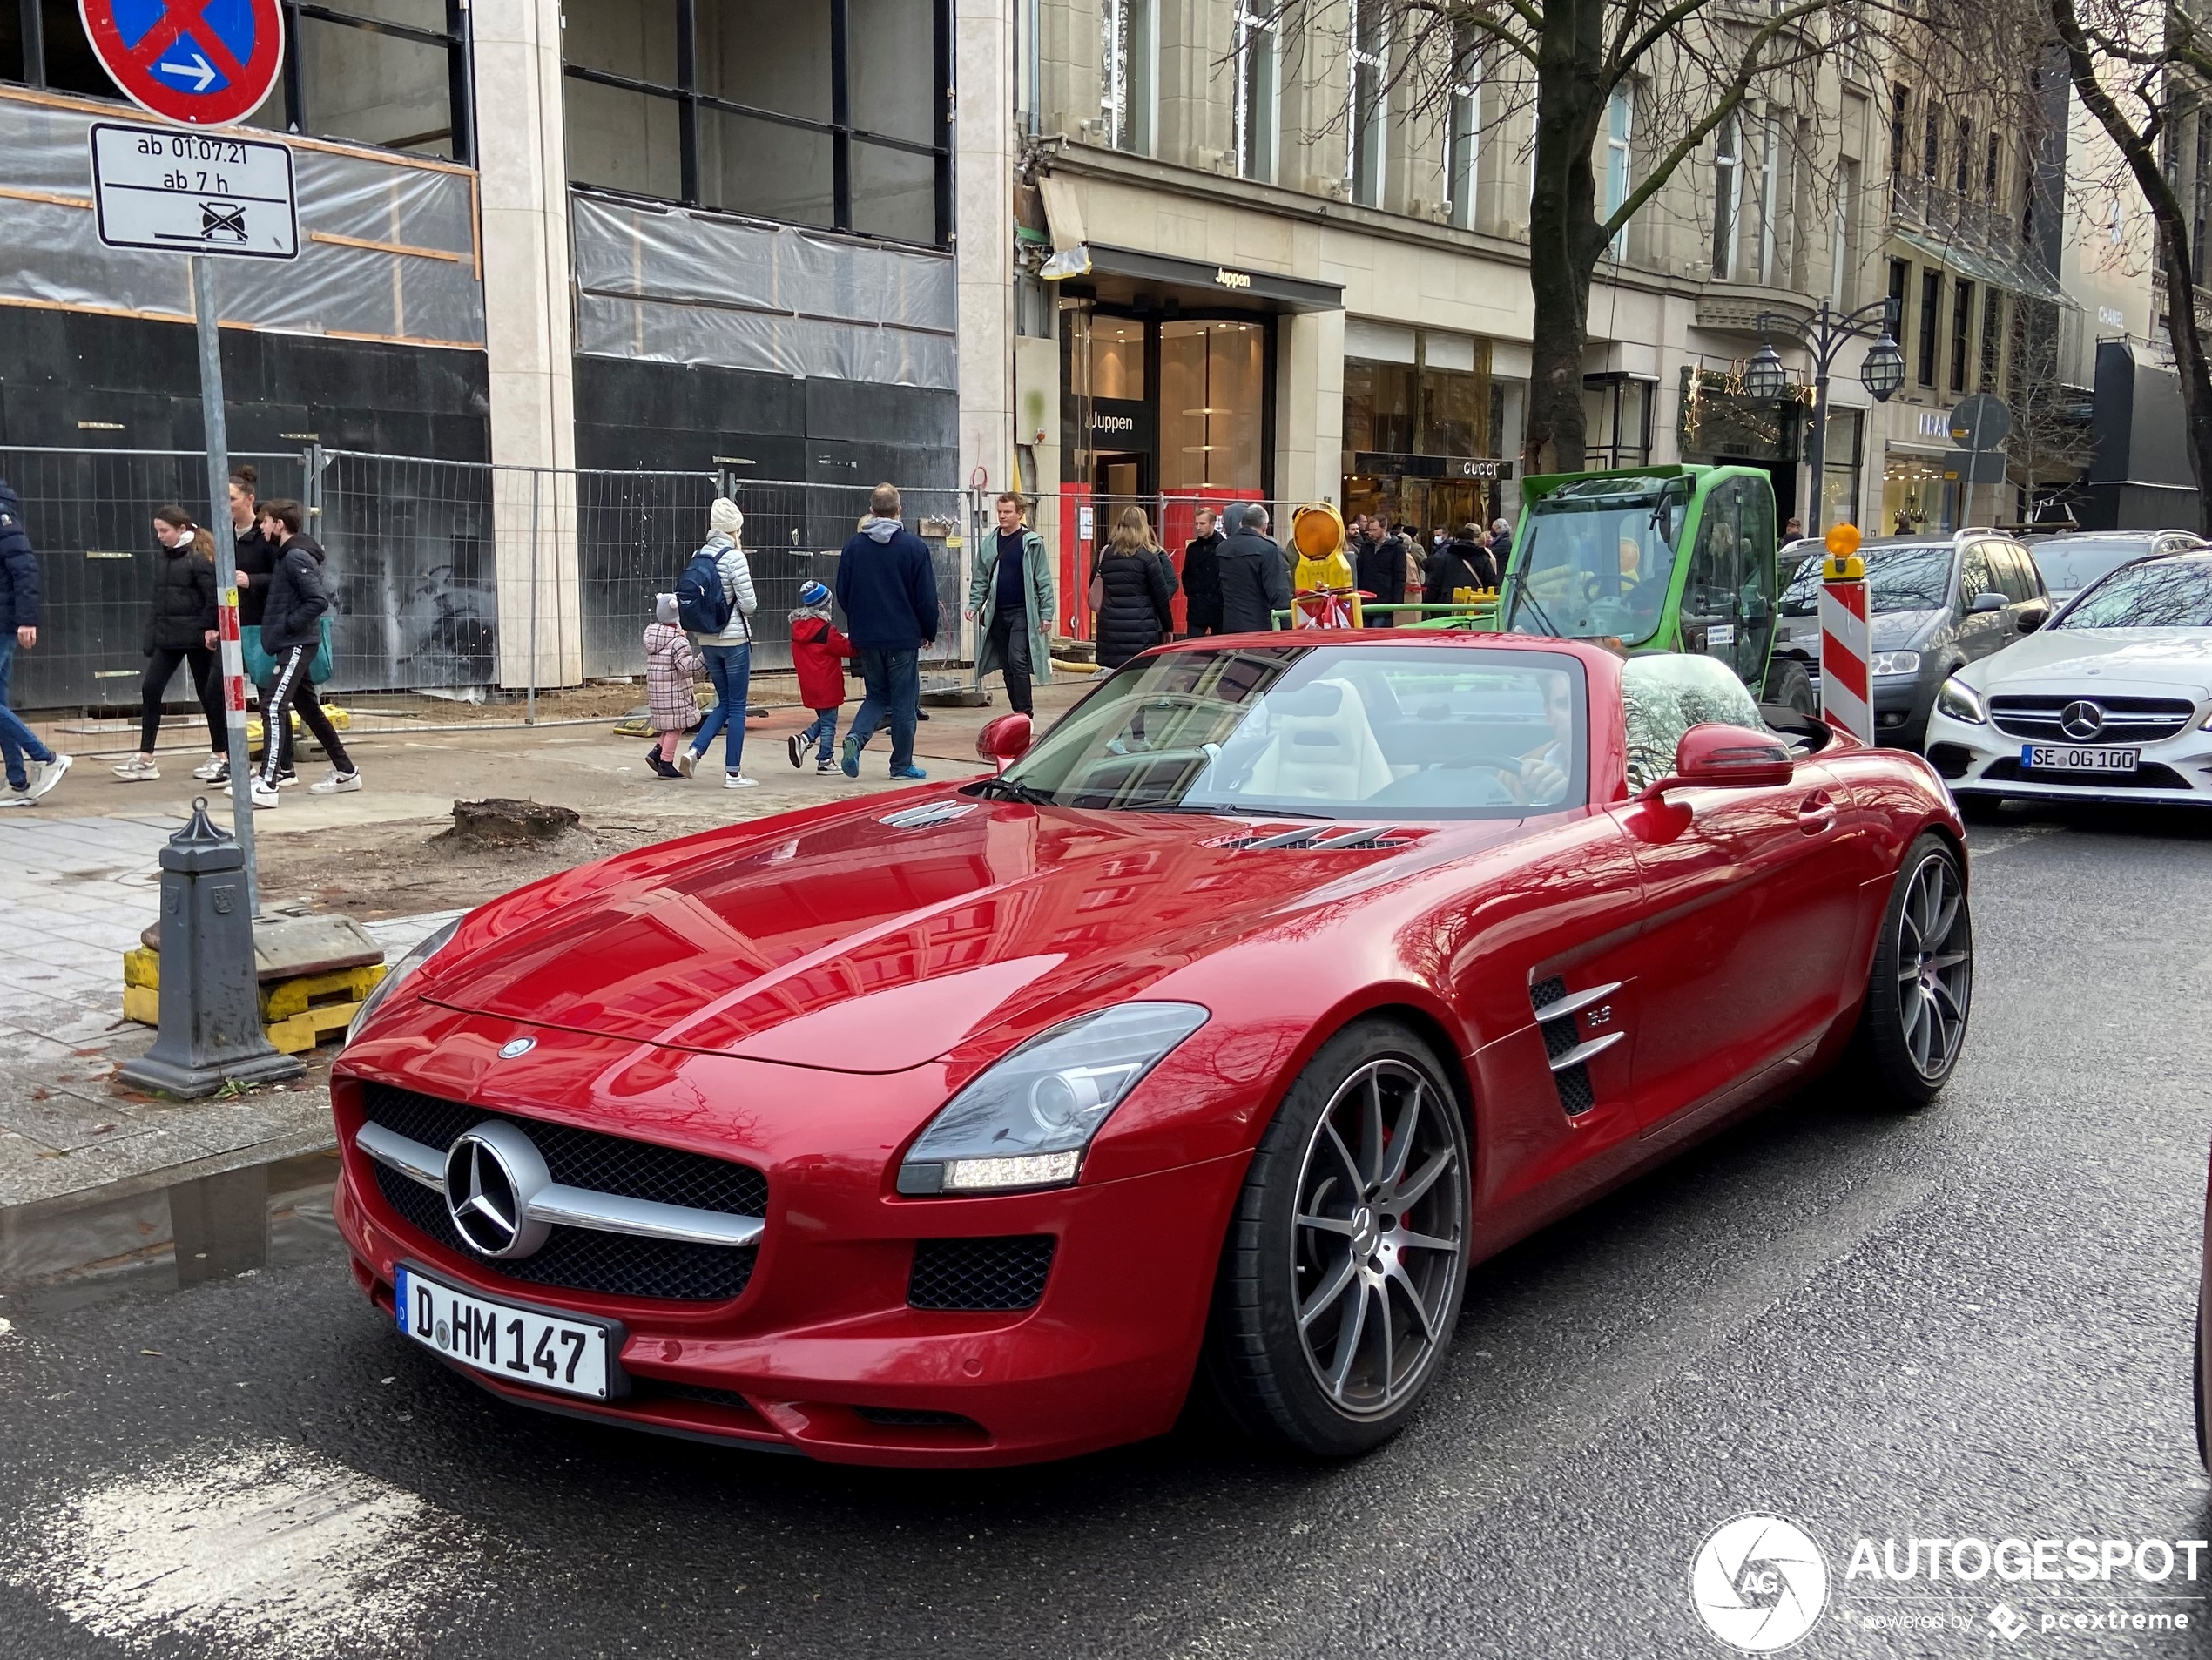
{"points": [[1758, 1583]]}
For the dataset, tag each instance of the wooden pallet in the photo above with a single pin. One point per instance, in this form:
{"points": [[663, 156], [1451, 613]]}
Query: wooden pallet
{"points": [[296, 1013]]}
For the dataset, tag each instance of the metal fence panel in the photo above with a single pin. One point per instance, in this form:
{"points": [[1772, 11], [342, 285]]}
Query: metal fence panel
{"points": [[412, 570], [90, 515]]}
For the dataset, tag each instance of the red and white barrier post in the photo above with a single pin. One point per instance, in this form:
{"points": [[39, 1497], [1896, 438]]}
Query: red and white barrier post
{"points": [[1846, 684]]}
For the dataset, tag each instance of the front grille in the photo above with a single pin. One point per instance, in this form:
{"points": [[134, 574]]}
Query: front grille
{"points": [[617, 1264], [2148, 775], [980, 1275], [2127, 720]]}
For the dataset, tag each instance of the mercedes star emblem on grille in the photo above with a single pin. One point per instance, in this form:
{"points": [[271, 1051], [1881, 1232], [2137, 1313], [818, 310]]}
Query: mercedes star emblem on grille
{"points": [[493, 1173], [517, 1046], [2081, 720]]}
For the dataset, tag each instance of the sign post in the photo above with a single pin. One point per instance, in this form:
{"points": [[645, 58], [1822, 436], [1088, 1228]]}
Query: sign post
{"points": [[1846, 684], [1979, 425], [208, 195]]}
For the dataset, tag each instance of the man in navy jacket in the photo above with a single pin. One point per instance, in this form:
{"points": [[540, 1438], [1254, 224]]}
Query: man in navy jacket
{"points": [[19, 626], [888, 589]]}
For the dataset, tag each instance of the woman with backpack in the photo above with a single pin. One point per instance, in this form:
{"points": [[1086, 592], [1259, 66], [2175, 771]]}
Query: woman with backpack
{"points": [[180, 631], [1128, 591], [715, 601]]}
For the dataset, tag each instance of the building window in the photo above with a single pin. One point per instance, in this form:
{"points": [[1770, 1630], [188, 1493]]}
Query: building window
{"points": [[1620, 130], [1930, 323], [1962, 334], [1258, 62], [1839, 471], [1769, 194], [1992, 311], [1843, 254], [1932, 155], [1728, 194], [1989, 172], [1369, 90], [1617, 421], [1900, 112], [398, 78], [1465, 131], [1900, 274], [1128, 44], [826, 116], [1212, 380], [1963, 163]]}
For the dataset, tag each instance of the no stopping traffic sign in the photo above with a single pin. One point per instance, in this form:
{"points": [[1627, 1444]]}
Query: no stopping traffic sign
{"points": [[204, 63]]}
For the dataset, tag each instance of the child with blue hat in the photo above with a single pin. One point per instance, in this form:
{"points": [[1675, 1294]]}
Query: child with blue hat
{"points": [[818, 651]]}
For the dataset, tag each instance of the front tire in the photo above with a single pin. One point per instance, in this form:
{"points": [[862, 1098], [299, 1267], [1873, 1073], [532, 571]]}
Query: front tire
{"points": [[1347, 1259], [1920, 988], [1789, 686]]}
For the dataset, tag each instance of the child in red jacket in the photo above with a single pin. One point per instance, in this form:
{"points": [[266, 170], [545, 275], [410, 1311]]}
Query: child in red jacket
{"points": [[817, 651]]}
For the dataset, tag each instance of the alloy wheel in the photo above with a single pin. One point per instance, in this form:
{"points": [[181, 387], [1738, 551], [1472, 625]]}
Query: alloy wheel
{"points": [[1935, 966], [1380, 1238]]}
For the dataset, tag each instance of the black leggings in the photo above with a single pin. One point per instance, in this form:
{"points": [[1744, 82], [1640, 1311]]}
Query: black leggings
{"points": [[161, 668], [292, 688]]}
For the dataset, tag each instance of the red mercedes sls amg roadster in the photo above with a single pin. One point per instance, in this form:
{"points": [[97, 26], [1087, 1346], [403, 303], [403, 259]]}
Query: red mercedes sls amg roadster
{"points": [[1214, 1038]]}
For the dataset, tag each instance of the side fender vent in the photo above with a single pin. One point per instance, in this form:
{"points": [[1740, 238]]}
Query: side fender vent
{"points": [[1558, 1018]]}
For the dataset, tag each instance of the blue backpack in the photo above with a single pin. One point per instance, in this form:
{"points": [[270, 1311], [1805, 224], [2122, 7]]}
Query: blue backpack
{"points": [[701, 604]]}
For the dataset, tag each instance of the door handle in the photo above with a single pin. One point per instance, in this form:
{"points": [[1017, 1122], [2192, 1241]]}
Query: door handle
{"points": [[1816, 813]]}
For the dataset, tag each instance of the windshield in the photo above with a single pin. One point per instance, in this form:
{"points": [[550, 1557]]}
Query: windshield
{"points": [[2165, 593], [1600, 553], [1897, 580], [1320, 732], [2070, 563]]}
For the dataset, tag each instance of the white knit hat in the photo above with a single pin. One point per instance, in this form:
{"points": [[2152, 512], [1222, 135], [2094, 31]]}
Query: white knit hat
{"points": [[726, 516]]}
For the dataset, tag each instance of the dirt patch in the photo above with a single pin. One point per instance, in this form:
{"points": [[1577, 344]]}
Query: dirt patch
{"points": [[503, 822]]}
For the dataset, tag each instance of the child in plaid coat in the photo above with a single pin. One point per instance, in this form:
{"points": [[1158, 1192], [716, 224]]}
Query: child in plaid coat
{"points": [[671, 663]]}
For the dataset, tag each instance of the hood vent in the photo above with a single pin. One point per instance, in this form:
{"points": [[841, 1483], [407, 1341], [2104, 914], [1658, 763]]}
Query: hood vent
{"points": [[922, 818], [1317, 837]]}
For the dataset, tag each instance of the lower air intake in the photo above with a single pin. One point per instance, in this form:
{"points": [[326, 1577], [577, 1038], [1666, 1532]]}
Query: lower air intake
{"points": [[980, 1275]]}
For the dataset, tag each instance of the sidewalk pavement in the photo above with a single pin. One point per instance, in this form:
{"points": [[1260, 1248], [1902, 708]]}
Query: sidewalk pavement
{"points": [[89, 1172]]}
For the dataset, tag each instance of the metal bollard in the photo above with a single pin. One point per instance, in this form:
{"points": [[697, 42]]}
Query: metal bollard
{"points": [[211, 1010]]}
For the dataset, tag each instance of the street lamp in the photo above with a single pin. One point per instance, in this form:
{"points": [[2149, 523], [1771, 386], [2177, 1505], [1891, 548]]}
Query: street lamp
{"points": [[1823, 335], [1764, 379]]}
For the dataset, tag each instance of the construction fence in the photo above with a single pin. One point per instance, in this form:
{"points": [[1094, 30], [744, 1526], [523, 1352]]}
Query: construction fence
{"points": [[449, 577]]}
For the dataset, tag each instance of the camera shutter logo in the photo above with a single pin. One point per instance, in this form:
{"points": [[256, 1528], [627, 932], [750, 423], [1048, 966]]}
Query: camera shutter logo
{"points": [[1758, 1583]]}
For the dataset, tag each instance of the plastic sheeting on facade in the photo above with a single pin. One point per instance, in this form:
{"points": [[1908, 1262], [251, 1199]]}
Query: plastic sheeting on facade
{"points": [[671, 286], [52, 252]]}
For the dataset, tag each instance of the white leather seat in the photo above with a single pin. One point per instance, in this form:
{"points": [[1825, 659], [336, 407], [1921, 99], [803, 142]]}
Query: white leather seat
{"points": [[1322, 748]]}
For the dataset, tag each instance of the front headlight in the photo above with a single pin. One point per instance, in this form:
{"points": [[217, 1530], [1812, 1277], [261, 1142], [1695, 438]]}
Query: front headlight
{"points": [[1026, 1121], [1961, 702], [424, 949], [1896, 663]]}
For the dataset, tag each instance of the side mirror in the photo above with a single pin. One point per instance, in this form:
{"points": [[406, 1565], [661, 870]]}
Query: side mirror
{"points": [[2034, 615], [1004, 741], [1987, 600], [1714, 755]]}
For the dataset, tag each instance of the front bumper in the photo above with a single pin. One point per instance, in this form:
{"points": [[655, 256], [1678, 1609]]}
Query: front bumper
{"points": [[1978, 760], [821, 1353]]}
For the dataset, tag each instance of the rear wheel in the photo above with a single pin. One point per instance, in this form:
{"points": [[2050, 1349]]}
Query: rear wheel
{"points": [[1347, 1259], [1789, 685], [1921, 987]]}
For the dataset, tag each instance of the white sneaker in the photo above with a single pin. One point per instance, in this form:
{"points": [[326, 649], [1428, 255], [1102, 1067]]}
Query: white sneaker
{"points": [[263, 795], [286, 780], [738, 781], [337, 784], [49, 773], [137, 770], [214, 770]]}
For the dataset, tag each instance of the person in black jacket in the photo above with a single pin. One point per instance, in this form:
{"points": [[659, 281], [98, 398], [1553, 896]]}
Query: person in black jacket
{"points": [[1201, 579], [1463, 563], [291, 629], [20, 627], [1255, 583], [1382, 566], [256, 559], [1130, 591], [180, 631]]}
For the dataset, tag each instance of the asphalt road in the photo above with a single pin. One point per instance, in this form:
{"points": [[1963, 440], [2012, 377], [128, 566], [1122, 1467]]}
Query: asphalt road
{"points": [[1970, 1323]]}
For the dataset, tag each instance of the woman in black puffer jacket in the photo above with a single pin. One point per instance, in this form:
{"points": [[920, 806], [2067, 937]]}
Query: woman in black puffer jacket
{"points": [[180, 630], [1130, 592]]}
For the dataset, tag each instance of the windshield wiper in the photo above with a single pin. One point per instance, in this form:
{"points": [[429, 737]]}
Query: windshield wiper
{"points": [[1010, 789], [1523, 596]]}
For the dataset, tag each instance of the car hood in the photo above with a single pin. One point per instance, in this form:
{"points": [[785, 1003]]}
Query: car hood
{"points": [[867, 941], [2080, 660]]}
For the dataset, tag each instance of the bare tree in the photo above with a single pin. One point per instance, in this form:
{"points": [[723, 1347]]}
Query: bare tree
{"points": [[2050, 440], [2139, 70]]}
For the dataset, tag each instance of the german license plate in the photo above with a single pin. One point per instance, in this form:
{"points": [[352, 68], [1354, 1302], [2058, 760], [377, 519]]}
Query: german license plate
{"points": [[520, 1345], [2078, 757]]}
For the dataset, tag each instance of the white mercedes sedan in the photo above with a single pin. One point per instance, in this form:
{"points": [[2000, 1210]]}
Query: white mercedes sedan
{"points": [[2111, 701]]}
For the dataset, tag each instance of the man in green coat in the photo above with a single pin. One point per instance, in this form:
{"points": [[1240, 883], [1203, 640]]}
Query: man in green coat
{"points": [[1010, 594]]}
